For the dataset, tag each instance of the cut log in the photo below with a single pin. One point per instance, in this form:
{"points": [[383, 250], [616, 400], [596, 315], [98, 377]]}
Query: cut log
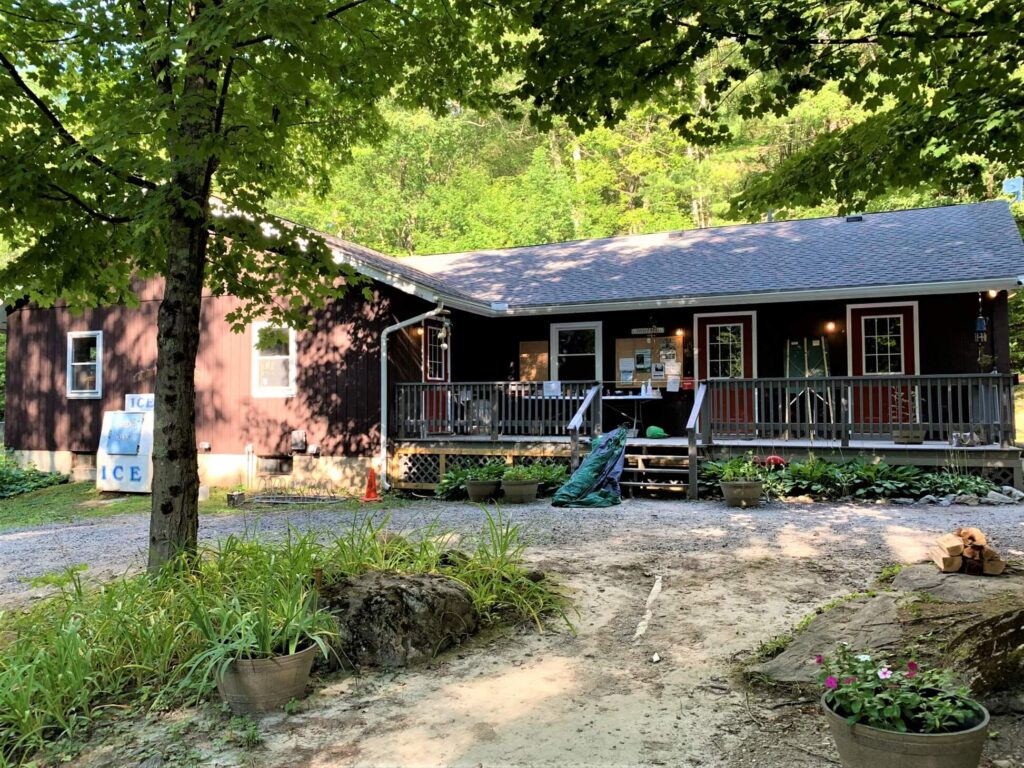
{"points": [[971, 536], [993, 567], [946, 563], [989, 553], [951, 544]]}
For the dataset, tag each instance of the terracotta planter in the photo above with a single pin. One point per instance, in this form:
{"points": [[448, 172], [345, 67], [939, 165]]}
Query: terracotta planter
{"points": [[520, 491], [482, 490], [861, 746], [742, 493], [264, 685]]}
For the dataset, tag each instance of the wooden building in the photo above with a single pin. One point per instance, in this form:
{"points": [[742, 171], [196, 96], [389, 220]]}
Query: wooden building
{"points": [[883, 335]]}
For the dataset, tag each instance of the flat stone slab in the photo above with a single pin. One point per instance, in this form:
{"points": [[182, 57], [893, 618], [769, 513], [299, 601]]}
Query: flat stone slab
{"points": [[956, 587], [867, 623]]}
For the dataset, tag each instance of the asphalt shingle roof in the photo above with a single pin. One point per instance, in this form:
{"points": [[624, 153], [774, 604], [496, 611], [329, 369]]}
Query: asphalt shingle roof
{"points": [[957, 243]]}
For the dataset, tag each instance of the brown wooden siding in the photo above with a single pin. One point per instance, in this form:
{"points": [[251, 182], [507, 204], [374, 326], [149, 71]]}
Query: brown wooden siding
{"points": [[338, 376], [338, 364]]}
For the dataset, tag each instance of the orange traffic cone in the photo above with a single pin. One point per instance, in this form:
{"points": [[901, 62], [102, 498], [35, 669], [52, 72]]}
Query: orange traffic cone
{"points": [[371, 487]]}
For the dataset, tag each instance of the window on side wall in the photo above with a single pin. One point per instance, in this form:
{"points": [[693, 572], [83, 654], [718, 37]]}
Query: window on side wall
{"points": [[273, 361], [85, 364]]}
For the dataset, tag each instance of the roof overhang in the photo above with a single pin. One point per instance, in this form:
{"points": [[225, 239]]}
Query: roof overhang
{"points": [[455, 300]]}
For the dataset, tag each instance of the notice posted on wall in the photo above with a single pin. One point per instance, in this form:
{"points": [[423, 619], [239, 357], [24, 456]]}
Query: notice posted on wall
{"points": [[124, 460]]}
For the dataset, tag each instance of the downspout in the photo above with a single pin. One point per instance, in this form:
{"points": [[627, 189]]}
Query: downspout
{"points": [[439, 309]]}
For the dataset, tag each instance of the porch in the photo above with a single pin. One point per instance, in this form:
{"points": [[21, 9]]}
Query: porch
{"points": [[965, 420]]}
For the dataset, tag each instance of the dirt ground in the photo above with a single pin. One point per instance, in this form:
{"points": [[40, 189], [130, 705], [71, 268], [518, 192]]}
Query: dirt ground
{"points": [[668, 612]]}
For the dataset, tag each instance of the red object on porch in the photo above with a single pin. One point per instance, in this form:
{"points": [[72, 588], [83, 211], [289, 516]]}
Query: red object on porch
{"points": [[371, 487]]}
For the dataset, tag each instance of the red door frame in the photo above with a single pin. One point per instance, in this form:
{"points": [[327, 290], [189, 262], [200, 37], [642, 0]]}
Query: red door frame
{"points": [[730, 407], [876, 403], [435, 403]]}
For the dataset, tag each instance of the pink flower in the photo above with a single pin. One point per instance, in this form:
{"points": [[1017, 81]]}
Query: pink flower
{"points": [[831, 683], [912, 668], [884, 673], [774, 461], [819, 659]]}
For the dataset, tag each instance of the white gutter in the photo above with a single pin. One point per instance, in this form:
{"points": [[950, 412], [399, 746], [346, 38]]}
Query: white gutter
{"points": [[439, 309]]}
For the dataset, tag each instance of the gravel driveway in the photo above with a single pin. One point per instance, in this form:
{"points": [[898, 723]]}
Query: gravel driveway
{"points": [[877, 534]]}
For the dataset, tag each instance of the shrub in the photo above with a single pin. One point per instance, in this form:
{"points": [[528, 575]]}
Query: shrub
{"points": [[740, 469], [882, 481], [15, 480], [518, 473], [549, 474], [814, 477], [947, 482]]}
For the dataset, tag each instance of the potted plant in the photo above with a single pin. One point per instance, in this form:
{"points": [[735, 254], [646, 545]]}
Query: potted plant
{"points": [[483, 482], [261, 644], [741, 482], [520, 484], [899, 716], [904, 417]]}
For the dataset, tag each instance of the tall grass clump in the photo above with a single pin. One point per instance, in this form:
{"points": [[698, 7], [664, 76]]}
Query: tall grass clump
{"points": [[138, 642]]}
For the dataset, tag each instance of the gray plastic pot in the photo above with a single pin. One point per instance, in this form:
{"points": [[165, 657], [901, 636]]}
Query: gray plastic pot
{"points": [[264, 685], [482, 490], [742, 493], [520, 491], [861, 746]]}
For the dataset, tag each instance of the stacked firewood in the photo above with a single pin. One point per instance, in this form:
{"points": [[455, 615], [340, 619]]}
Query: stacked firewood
{"points": [[966, 550]]}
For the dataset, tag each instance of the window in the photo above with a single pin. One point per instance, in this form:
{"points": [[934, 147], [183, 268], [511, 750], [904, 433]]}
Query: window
{"points": [[883, 344], [85, 364], [436, 358], [576, 352], [725, 351], [273, 361]]}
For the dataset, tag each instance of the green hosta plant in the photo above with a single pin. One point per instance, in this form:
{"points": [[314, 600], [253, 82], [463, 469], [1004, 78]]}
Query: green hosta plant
{"points": [[903, 697], [740, 469], [518, 473], [947, 481], [489, 470], [814, 477], [550, 475], [882, 481]]}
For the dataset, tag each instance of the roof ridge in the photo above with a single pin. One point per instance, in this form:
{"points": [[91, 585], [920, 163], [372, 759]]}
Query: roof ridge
{"points": [[670, 232]]}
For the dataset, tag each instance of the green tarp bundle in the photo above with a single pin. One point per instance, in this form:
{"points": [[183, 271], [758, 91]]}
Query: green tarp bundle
{"points": [[596, 482]]}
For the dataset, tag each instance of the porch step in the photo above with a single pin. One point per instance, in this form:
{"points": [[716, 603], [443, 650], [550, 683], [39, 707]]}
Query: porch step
{"points": [[665, 470], [655, 486]]}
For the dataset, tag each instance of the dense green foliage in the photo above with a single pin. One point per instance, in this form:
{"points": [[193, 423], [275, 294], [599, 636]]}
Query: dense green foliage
{"points": [[857, 479], [15, 480], [466, 180], [145, 641], [939, 83]]}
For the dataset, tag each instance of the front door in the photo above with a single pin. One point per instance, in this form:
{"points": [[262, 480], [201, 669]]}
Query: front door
{"points": [[883, 343], [436, 371], [726, 350]]}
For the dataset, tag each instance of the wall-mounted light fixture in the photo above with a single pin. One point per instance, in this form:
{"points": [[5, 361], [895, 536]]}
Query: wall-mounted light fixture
{"points": [[830, 327], [419, 330], [993, 294], [679, 331]]}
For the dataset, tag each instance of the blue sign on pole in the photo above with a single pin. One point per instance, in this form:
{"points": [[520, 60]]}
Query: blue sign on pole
{"points": [[1015, 187]]}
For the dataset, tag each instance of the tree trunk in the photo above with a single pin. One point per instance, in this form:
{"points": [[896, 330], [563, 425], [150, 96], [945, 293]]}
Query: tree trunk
{"points": [[174, 517]]}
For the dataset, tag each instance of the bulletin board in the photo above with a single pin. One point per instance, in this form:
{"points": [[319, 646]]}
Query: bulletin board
{"points": [[652, 360], [533, 360]]}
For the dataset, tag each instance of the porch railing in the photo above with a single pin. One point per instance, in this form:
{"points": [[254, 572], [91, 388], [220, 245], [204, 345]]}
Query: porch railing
{"points": [[844, 408], [494, 409]]}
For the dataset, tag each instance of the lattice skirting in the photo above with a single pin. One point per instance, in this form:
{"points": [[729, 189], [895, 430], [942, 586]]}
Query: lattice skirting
{"points": [[421, 467]]}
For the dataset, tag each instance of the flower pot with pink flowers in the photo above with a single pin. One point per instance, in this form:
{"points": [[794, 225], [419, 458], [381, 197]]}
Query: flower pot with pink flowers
{"points": [[899, 715]]}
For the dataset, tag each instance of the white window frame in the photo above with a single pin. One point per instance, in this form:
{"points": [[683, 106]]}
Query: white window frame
{"points": [[428, 329], [742, 346], [698, 362], [594, 326], [260, 391], [885, 308], [82, 394], [864, 344]]}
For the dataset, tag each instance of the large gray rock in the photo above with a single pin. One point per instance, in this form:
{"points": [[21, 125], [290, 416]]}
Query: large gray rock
{"points": [[867, 624], [955, 587], [395, 620]]}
